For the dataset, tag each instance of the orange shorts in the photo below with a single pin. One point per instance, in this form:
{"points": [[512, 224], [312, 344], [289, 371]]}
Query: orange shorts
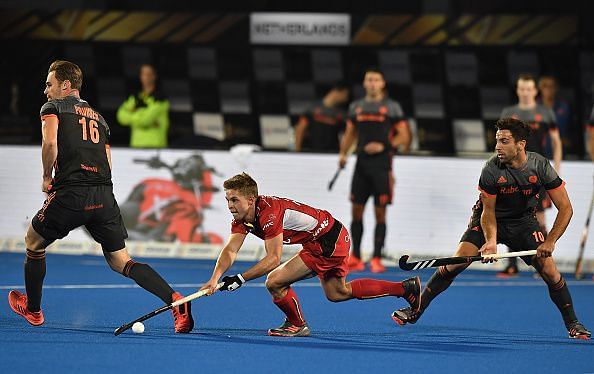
{"points": [[327, 267]]}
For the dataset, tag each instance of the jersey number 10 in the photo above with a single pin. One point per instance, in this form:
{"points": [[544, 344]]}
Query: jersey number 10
{"points": [[93, 130]]}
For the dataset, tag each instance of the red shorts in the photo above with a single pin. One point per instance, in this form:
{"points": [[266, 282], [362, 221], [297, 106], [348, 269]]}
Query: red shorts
{"points": [[327, 267]]}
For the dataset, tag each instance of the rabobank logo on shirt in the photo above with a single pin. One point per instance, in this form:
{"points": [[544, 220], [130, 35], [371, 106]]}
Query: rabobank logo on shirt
{"points": [[300, 28]]}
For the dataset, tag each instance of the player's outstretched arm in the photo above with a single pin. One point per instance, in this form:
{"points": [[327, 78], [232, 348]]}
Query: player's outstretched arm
{"points": [[274, 248], [225, 260]]}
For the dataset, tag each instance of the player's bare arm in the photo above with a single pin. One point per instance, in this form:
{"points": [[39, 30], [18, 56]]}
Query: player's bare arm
{"points": [[564, 212], [49, 149], [274, 248], [557, 147], [403, 136], [300, 129], [108, 153], [349, 138], [489, 225], [225, 260]]}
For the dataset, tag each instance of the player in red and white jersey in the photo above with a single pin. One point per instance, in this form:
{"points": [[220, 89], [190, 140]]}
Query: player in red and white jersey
{"points": [[325, 253]]}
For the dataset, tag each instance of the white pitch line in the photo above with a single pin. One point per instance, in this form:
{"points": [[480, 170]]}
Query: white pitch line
{"points": [[304, 284]]}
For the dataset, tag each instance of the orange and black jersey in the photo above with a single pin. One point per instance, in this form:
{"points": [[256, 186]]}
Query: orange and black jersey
{"points": [[375, 121], [325, 124], [542, 120], [516, 189], [83, 136]]}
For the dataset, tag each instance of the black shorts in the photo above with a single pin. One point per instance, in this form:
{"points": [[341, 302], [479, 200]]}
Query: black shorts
{"points": [[521, 234], [95, 207], [371, 181]]}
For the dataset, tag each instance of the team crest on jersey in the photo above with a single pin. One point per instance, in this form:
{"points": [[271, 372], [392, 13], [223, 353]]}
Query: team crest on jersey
{"points": [[383, 109], [538, 117], [533, 179]]}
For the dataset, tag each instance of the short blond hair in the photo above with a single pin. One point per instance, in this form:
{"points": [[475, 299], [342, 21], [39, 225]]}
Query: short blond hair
{"points": [[243, 183]]}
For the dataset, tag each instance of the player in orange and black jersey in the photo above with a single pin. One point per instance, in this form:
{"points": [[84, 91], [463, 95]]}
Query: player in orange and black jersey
{"points": [[509, 185], [542, 123], [77, 179], [377, 122], [319, 128]]}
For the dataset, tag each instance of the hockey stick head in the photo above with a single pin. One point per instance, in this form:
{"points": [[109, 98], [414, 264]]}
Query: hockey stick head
{"points": [[333, 180], [403, 263]]}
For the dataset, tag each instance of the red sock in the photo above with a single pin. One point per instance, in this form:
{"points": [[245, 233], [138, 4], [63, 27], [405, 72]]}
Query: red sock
{"points": [[290, 306], [367, 288]]}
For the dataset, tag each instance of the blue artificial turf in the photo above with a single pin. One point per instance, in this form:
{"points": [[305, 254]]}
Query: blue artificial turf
{"points": [[481, 324]]}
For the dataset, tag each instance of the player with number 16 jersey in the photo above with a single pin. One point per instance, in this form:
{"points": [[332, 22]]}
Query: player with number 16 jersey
{"points": [[83, 136], [76, 176]]}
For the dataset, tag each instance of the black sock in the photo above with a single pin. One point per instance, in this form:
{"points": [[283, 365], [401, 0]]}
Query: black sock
{"points": [[34, 275], [560, 295], [357, 234], [379, 238], [150, 280], [439, 282]]}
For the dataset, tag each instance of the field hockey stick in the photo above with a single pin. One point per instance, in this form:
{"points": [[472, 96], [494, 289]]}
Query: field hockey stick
{"points": [[337, 173], [155, 312], [436, 262], [583, 239], [331, 183]]}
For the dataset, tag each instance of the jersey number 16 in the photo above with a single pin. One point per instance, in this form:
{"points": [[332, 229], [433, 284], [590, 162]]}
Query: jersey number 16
{"points": [[93, 130]]}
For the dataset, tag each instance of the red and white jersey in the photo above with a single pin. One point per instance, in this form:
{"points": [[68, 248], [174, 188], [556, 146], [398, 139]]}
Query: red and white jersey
{"points": [[299, 223]]}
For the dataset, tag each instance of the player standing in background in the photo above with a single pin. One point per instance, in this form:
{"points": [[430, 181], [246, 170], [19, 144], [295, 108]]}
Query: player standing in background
{"points": [[322, 124], [548, 90], [325, 252], [509, 184], [75, 145], [542, 123], [378, 124]]}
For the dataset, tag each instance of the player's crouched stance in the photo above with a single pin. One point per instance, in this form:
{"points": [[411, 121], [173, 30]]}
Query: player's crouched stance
{"points": [[509, 185], [325, 252]]}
